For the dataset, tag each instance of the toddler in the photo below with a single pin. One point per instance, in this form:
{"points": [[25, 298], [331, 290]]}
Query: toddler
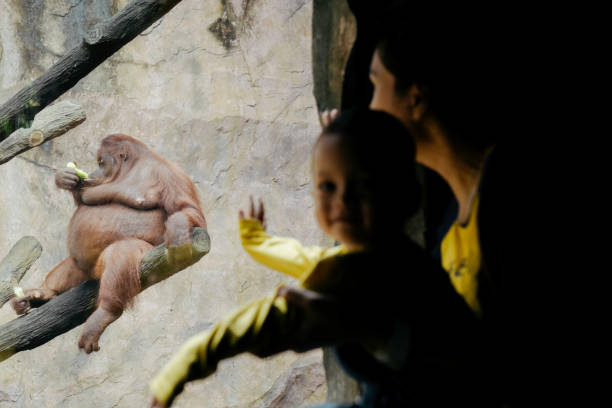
{"points": [[364, 191]]}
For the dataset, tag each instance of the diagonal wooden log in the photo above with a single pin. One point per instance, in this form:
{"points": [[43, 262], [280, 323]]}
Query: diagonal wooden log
{"points": [[99, 44], [72, 308], [12, 268], [48, 124]]}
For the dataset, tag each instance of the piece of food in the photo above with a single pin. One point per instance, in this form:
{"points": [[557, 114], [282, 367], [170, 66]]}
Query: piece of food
{"points": [[18, 291], [79, 172]]}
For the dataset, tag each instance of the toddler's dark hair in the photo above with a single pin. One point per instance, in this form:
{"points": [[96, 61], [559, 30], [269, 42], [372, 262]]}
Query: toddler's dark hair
{"points": [[382, 146]]}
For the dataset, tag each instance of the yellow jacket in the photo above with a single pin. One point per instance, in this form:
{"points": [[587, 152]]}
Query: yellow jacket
{"points": [[258, 327]]}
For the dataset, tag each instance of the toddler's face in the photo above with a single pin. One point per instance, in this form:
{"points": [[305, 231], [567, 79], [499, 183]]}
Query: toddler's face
{"points": [[343, 195]]}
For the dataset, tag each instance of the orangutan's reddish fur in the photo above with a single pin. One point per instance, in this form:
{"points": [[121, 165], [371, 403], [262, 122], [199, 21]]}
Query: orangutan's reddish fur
{"points": [[133, 202]]}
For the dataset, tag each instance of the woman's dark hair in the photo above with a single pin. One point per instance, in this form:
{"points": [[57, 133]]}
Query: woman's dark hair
{"points": [[454, 69], [382, 146]]}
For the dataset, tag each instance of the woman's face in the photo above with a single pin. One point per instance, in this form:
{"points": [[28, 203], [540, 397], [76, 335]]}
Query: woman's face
{"points": [[408, 106], [343, 196], [385, 98]]}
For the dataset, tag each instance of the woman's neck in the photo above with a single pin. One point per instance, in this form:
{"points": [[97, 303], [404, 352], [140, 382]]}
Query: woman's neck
{"points": [[463, 179]]}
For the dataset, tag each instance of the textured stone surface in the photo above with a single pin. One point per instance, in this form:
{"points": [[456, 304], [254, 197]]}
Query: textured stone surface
{"points": [[239, 119]]}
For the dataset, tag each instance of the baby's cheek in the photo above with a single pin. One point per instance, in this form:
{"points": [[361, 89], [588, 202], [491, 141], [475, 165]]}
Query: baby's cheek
{"points": [[322, 216]]}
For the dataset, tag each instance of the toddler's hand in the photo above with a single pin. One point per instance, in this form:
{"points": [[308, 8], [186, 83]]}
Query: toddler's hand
{"points": [[254, 213], [327, 117], [156, 404]]}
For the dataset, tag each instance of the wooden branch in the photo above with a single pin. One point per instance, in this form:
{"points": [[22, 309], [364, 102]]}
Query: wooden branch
{"points": [[48, 124], [55, 317], [99, 44], [155, 267], [333, 32], [72, 308], [19, 259]]}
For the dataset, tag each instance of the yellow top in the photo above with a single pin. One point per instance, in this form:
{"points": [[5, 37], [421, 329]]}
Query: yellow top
{"points": [[462, 258], [285, 255]]}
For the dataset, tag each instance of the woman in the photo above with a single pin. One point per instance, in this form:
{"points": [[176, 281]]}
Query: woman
{"points": [[453, 91]]}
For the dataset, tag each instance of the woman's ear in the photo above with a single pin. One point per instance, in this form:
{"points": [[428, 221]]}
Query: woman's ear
{"points": [[417, 101]]}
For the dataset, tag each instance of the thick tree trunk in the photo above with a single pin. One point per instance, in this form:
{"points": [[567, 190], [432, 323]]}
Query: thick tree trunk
{"points": [[72, 308], [99, 44], [12, 268], [48, 124], [333, 33]]}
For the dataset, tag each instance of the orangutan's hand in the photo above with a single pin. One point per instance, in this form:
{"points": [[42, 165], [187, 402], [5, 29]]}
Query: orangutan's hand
{"points": [[67, 179]]}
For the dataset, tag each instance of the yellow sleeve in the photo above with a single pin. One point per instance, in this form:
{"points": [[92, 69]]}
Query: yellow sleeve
{"points": [[261, 328], [285, 255]]}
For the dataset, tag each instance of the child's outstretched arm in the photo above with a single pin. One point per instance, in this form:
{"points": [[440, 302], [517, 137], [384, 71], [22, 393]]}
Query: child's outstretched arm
{"points": [[284, 321], [263, 328], [285, 255]]}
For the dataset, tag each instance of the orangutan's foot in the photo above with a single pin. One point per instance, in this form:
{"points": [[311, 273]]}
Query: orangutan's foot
{"points": [[94, 327], [21, 305]]}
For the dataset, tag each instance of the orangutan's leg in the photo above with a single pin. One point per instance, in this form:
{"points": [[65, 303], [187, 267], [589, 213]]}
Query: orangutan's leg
{"points": [[119, 268]]}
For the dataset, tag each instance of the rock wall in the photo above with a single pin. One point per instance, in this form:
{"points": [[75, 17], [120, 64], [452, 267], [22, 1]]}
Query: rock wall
{"points": [[224, 89]]}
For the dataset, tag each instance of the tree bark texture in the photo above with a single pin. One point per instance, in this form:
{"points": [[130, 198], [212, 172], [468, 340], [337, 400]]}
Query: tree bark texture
{"points": [[99, 44], [333, 32], [48, 124], [12, 268], [72, 308]]}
